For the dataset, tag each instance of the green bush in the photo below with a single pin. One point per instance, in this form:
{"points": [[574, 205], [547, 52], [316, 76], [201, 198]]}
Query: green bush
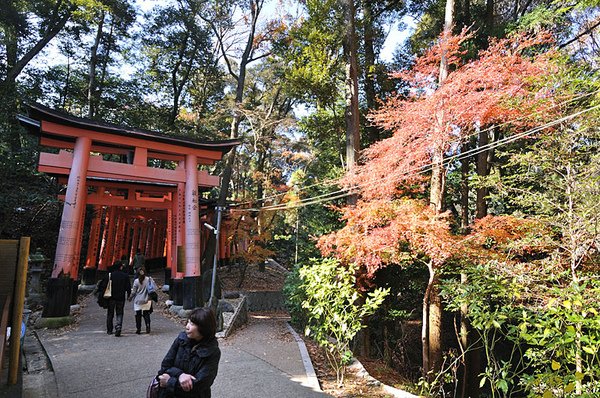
{"points": [[335, 308], [551, 323], [294, 297]]}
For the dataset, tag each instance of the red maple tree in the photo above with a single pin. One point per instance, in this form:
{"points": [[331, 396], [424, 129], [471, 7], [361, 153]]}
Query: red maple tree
{"points": [[500, 86], [503, 85]]}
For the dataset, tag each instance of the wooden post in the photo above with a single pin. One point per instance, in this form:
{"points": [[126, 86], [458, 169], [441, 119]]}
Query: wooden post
{"points": [[134, 240], [104, 240], [72, 210], [94, 240], [111, 233], [19, 302], [143, 237], [192, 221], [169, 240]]}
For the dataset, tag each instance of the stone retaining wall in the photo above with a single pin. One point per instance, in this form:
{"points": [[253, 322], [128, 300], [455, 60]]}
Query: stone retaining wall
{"points": [[265, 300]]}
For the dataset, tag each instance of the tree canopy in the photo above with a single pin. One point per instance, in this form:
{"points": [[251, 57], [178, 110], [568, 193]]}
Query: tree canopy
{"points": [[489, 109]]}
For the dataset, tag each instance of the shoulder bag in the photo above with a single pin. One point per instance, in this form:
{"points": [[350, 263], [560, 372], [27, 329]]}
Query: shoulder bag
{"points": [[108, 290], [152, 290]]}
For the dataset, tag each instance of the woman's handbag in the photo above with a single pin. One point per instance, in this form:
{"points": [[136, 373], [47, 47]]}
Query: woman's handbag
{"points": [[101, 287], [151, 285], [152, 290], [108, 290], [153, 389], [153, 296]]}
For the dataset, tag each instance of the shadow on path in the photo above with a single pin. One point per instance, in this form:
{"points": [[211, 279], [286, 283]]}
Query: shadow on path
{"points": [[260, 360]]}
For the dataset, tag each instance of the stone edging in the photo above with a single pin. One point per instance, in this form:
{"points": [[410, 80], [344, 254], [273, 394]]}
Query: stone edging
{"points": [[360, 371], [311, 376], [240, 317], [39, 380]]}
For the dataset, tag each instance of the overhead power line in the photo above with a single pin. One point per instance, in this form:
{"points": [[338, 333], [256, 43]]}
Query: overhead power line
{"points": [[338, 194]]}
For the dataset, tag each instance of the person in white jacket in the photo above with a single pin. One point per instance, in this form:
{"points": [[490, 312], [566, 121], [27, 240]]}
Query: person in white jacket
{"points": [[142, 305]]}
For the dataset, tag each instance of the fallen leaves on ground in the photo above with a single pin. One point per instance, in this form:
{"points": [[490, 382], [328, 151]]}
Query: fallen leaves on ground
{"points": [[354, 386], [252, 279]]}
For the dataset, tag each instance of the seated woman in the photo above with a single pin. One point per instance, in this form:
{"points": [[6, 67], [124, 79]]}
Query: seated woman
{"points": [[190, 367]]}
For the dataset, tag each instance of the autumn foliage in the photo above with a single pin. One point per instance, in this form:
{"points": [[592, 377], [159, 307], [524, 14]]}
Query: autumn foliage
{"points": [[248, 235], [390, 224], [382, 232], [507, 239], [500, 86]]}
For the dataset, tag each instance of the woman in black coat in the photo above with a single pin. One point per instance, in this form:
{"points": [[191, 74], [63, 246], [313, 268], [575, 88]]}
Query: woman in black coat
{"points": [[191, 365]]}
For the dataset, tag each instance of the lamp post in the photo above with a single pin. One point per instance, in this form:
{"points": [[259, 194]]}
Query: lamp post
{"points": [[212, 302]]}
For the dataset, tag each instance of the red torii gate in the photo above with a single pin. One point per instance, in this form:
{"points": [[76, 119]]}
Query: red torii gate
{"points": [[127, 192]]}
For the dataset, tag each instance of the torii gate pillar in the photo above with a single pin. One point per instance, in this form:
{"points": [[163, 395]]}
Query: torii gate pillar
{"points": [[60, 285], [192, 282]]}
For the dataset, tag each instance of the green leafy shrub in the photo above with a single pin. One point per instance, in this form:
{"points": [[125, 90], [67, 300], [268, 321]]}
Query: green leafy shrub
{"points": [[294, 296], [550, 323], [335, 308]]}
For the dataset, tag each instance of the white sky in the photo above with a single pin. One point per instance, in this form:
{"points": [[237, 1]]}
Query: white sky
{"points": [[394, 38], [51, 55]]}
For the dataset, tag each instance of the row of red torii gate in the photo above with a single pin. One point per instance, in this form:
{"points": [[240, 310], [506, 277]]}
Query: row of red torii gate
{"points": [[145, 191]]}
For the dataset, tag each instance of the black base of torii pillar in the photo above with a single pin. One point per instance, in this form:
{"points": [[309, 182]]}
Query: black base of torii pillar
{"points": [[88, 276], [59, 297], [192, 292], [176, 291]]}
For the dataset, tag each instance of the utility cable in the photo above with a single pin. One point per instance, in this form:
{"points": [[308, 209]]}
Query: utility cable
{"points": [[333, 181], [422, 169]]}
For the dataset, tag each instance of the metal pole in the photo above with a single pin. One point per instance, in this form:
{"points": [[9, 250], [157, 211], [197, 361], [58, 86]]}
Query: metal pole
{"points": [[212, 301], [297, 230]]}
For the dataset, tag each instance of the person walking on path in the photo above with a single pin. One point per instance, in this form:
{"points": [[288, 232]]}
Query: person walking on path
{"points": [[191, 364], [120, 290], [142, 305], [139, 261], [127, 267]]}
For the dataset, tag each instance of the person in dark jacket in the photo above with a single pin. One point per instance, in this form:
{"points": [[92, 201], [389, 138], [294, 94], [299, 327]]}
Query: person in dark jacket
{"points": [[190, 367], [120, 289]]}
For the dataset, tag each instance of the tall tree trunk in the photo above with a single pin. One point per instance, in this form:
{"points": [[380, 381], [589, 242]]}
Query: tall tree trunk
{"points": [[352, 115], [260, 171], [435, 326], [369, 69], [105, 61], [436, 200], [464, 188], [8, 87], [425, 338], [91, 92], [240, 77], [463, 342], [15, 65], [57, 23], [489, 15], [438, 181], [483, 170], [462, 14], [229, 162], [65, 92], [177, 81]]}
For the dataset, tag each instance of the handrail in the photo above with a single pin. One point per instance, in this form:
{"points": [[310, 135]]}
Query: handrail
{"points": [[4, 322]]}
